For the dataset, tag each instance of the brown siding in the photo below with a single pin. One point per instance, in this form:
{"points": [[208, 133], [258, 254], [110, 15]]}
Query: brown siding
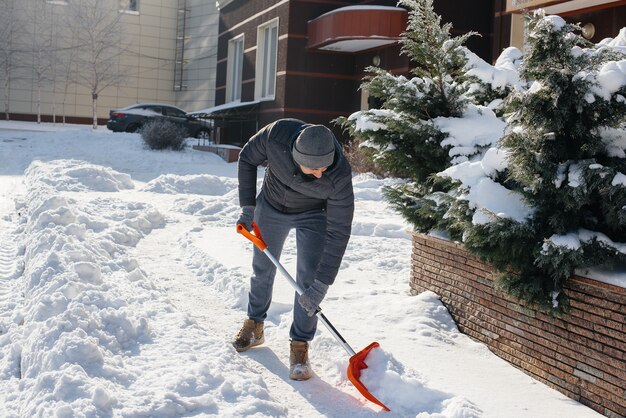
{"points": [[236, 128], [607, 22], [230, 27], [466, 16], [318, 86], [581, 354], [501, 30]]}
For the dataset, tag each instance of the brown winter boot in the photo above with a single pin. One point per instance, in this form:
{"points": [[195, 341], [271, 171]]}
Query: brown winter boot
{"points": [[299, 366], [250, 335]]}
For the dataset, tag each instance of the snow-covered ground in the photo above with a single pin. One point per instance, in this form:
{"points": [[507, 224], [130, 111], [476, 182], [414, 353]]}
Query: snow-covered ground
{"points": [[122, 281]]}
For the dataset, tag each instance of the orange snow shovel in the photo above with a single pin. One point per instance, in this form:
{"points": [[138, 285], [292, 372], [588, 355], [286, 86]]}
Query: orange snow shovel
{"points": [[357, 360]]}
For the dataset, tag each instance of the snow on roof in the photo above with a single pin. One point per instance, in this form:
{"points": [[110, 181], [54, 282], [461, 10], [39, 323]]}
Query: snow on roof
{"points": [[225, 106], [354, 45]]}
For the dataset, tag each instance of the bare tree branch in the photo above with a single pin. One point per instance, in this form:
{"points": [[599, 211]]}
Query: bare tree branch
{"points": [[97, 23], [9, 59]]}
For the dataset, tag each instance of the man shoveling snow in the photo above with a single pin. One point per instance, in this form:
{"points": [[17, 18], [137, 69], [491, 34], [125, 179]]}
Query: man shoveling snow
{"points": [[307, 187]]}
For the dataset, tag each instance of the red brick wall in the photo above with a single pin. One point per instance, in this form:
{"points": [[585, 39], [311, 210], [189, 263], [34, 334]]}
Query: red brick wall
{"points": [[581, 354]]}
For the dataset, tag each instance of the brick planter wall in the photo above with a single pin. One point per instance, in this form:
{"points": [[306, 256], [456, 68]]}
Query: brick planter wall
{"points": [[581, 354]]}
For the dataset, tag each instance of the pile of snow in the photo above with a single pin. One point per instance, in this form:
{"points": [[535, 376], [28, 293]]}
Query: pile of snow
{"points": [[81, 341], [76, 176]]}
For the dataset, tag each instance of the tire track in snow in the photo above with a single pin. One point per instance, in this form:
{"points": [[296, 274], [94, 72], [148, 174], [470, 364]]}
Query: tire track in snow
{"points": [[11, 261], [11, 268], [11, 301]]}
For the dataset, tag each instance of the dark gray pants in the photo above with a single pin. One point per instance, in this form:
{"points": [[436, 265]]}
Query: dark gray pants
{"points": [[310, 229]]}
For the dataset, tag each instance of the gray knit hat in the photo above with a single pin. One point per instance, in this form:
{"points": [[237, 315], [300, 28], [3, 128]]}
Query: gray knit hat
{"points": [[315, 147]]}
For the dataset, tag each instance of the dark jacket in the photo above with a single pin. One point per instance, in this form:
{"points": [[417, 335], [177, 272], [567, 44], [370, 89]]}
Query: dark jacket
{"points": [[288, 190]]}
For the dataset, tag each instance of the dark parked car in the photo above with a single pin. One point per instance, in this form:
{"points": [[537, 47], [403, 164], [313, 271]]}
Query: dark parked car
{"points": [[132, 118]]}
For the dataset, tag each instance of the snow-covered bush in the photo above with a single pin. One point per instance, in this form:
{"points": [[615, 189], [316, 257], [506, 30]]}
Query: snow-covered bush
{"points": [[552, 198], [161, 134], [361, 159], [489, 85]]}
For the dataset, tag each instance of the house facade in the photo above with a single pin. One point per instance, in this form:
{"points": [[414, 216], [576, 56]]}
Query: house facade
{"points": [[195, 54], [245, 63], [306, 59], [169, 56]]}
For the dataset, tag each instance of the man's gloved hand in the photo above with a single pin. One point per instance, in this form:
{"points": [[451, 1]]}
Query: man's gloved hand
{"points": [[311, 298], [246, 217]]}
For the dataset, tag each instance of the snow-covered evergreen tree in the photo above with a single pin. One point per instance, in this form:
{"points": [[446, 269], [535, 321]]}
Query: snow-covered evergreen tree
{"points": [[551, 198], [403, 133], [565, 168]]}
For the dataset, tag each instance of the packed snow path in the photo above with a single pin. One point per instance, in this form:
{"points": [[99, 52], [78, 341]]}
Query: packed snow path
{"points": [[189, 294], [122, 282]]}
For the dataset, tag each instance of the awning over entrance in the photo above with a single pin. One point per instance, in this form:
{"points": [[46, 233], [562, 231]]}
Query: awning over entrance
{"points": [[357, 28]]}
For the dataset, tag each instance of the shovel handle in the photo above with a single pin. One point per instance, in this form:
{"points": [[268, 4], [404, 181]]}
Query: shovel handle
{"points": [[254, 236], [356, 362]]}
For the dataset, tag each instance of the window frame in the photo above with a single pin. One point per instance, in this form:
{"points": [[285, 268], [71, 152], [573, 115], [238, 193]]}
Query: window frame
{"points": [[125, 7], [234, 68], [266, 61]]}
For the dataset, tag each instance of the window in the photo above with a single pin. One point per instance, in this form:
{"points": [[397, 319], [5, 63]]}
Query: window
{"points": [[155, 109], [129, 5], [267, 50], [234, 69], [173, 112]]}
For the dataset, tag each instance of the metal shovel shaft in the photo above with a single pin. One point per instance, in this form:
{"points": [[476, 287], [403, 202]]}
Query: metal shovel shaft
{"points": [[357, 360]]}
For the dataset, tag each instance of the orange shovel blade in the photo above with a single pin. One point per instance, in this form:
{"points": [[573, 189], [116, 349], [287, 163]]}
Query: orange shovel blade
{"points": [[357, 363]]}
